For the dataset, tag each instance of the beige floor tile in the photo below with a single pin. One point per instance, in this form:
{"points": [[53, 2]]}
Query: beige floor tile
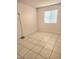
{"points": [[51, 41], [39, 41], [33, 37], [19, 47], [49, 47], [36, 36], [30, 55], [23, 41], [36, 49], [58, 44], [45, 52], [44, 40], [29, 45], [30, 40], [35, 41], [41, 44], [57, 50], [58, 41], [55, 56], [20, 41], [23, 52], [40, 37], [19, 57], [46, 37], [40, 57]]}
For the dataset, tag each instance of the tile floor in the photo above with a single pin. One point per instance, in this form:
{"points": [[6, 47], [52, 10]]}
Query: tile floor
{"points": [[39, 45]]}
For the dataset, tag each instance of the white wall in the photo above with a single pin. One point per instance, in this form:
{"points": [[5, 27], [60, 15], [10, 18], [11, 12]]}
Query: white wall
{"points": [[51, 27], [28, 18]]}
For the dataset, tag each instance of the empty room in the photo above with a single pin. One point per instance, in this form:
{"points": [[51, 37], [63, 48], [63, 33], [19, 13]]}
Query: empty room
{"points": [[38, 29]]}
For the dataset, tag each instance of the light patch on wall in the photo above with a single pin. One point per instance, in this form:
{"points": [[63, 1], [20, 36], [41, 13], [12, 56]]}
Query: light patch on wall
{"points": [[50, 16]]}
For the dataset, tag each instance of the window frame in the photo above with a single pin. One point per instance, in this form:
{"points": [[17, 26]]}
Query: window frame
{"points": [[55, 11]]}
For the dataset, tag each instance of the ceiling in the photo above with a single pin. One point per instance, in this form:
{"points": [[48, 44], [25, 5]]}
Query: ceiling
{"points": [[40, 3]]}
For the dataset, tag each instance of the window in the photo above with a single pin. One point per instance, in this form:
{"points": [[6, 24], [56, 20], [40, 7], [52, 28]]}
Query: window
{"points": [[50, 16]]}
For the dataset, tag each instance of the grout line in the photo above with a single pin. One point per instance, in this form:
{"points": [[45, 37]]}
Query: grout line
{"points": [[53, 47], [33, 52], [39, 51], [29, 49], [31, 42], [42, 49]]}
